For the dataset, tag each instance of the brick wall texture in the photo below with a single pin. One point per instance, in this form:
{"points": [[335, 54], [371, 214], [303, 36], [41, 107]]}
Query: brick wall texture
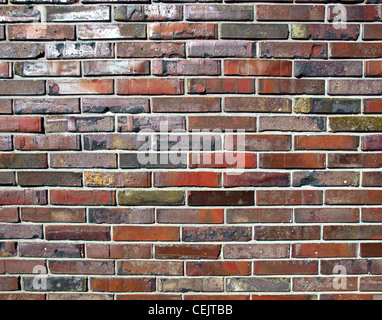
{"points": [[214, 149]]}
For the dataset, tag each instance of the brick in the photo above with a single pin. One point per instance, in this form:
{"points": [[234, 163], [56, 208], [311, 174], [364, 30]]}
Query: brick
{"points": [[23, 160], [152, 197], [8, 283], [289, 197], [355, 50], [361, 197], [117, 179], [119, 215], [72, 284], [122, 284], [22, 296], [291, 86], [352, 266], [154, 12], [269, 233], [216, 233], [51, 250], [82, 197], [362, 13], [256, 179], [290, 123], [74, 232], [6, 143], [258, 215], [150, 86], [370, 250], [5, 106], [254, 31], [40, 32], [51, 142], [111, 31], [322, 284], [8, 249], [115, 105], [220, 85], [221, 49], [148, 296], [355, 123], [323, 215], [74, 50], [372, 32], [218, 268], [23, 266], [357, 232], [285, 267], [372, 106], [288, 297], [79, 124], [81, 267], [151, 49], [54, 179], [327, 105], [181, 30], [79, 296], [355, 87], [326, 142], [48, 69], [188, 68], [257, 104], [19, 14], [9, 214], [77, 13], [292, 161], [185, 104], [152, 123], [5, 69], [83, 86], [254, 284], [112, 142], [370, 284], [23, 197], [191, 285], [187, 251], [223, 123], [193, 216], [328, 69], [21, 124], [220, 198], [258, 68], [134, 161], [324, 179], [192, 179], [371, 214], [324, 32], [371, 142], [219, 13], [256, 251], [118, 251], [21, 50], [46, 106], [373, 69], [324, 250], [83, 160], [222, 160], [22, 87], [216, 297], [354, 160], [38, 214], [144, 267], [290, 13], [146, 233], [296, 50], [18, 231], [371, 179], [119, 67], [263, 142]]}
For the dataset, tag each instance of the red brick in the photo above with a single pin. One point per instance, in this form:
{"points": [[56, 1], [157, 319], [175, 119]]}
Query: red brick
{"points": [[355, 50], [53, 178], [9, 214], [186, 68], [23, 266], [372, 32], [322, 284], [357, 197], [50, 142], [186, 179], [285, 267], [269, 233], [220, 198], [354, 160], [371, 215], [51, 250], [263, 142], [326, 142], [373, 106], [291, 123], [122, 284], [326, 215], [324, 250], [5, 106], [291, 86], [274, 215], [372, 179], [256, 179], [83, 86], [220, 85], [150, 233], [370, 250], [212, 123], [9, 283], [58, 215], [121, 216], [289, 197], [6, 143], [290, 13], [23, 197], [256, 251], [218, 268], [223, 160], [144, 267], [151, 49], [118, 251], [180, 30], [193, 216], [354, 232], [257, 104], [292, 160], [21, 124], [216, 233], [362, 13], [187, 251], [258, 68], [150, 86], [41, 32], [82, 197], [294, 50], [20, 231], [371, 143], [5, 70], [373, 69], [81, 267], [77, 232], [185, 104]]}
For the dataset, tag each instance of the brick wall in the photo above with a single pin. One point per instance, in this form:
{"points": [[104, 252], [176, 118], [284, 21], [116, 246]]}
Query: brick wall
{"points": [[107, 184]]}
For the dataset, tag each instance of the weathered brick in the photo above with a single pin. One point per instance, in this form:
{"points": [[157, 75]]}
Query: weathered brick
{"points": [[327, 105], [355, 50], [149, 233], [259, 215], [83, 160], [113, 142], [222, 160], [328, 69], [83, 86], [119, 215], [253, 284], [9, 214], [144, 267], [290, 123], [326, 142], [19, 14], [219, 13], [256, 251], [324, 32], [40, 32], [216, 233], [81, 267], [21, 50], [23, 197], [115, 105], [51, 250], [256, 179], [150, 86], [118, 251], [50, 142], [154, 123], [326, 215], [82, 197], [372, 32], [354, 160], [46, 105], [22, 87], [324, 179], [75, 284], [74, 232], [6, 143], [362, 13], [151, 50], [70, 179], [38, 214], [23, 160], [290, 12], [371, 214], [258, 68], [48, 69], [285, 267], [355, 87], [117, 284], [181, 30], [361, 197], [119, 179], [187, 68], [355, 123], [18, 231], [371, 142], [221, 49], [291, 86], [113, 67], [5, 106], [218, 268], [222, 123], [111, 31], [257, 104], [152, 197], [295, 50], [185, 104], [254, 31], [191, 284], [220, 85], [77, 13], [74, 50], [289, 197], [154, 12], [323, 284]]}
